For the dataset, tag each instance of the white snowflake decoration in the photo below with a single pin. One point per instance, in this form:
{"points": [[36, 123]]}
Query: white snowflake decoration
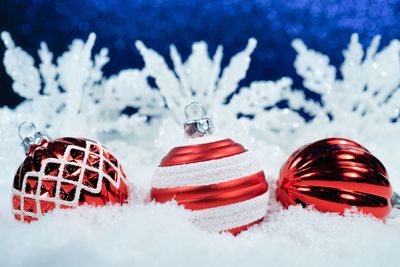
{"points": [[369, 87], [364, 104]]}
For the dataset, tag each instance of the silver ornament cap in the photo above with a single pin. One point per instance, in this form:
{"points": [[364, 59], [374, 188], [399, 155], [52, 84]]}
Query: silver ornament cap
{"points": [[197, 127], [395, 201], [31, 136]]}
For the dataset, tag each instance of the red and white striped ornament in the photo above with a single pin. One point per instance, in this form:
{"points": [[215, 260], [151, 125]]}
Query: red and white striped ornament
{"points": [[216, 178]]}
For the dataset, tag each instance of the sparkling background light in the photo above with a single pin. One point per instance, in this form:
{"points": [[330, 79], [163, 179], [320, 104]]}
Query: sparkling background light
{"points": [[324, 25]]}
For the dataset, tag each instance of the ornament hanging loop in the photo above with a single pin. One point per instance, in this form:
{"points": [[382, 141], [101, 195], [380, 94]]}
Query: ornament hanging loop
{"points": [[27, 125], [197, 127], [199, 106], [30, 136]]}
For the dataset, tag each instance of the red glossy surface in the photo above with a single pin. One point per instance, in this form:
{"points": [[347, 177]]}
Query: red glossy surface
{"points": [[202, 152], [333, 175], [238, 230], [69, 166], [214, 195]]}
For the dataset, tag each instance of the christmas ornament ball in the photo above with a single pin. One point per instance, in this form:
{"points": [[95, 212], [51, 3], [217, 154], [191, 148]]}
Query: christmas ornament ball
{"points": [[65, 173], [216, 178], [333, 175]]}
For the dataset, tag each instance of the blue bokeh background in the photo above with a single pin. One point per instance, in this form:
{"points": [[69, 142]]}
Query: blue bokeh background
{"points": [[323, 25]]}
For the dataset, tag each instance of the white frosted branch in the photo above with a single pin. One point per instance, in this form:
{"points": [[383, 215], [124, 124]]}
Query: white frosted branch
{"points": [[234, 72], [166, 80], [48, 70], [180, 70], [7, 40], [314, 67], [20, 67], [215, 72]]}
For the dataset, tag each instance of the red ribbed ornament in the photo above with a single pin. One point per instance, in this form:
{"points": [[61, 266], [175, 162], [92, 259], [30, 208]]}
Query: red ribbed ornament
{"points": [[65, 173], [333, 175], [216, 178]]}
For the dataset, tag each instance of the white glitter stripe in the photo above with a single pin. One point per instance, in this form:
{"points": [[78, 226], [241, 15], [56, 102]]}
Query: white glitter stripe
{"points": [[206, 173], [232, 216]]}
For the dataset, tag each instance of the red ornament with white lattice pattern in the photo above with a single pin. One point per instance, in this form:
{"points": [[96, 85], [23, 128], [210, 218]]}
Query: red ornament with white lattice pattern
{"points": [[65, 173]]}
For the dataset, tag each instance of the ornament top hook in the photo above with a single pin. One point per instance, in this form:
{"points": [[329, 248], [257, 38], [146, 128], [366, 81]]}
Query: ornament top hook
{"points": [[197, 127], [195, 104], [31, 136], [395, 200]]}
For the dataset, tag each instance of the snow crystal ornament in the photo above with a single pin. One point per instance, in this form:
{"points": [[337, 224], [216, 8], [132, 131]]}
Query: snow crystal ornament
{"points": [[64, 173], [216, 178], [335, 174]]}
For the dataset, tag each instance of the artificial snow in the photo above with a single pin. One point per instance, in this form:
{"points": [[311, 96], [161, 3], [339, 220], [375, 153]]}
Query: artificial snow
{"points": [[77, 100], [162, 235]]}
